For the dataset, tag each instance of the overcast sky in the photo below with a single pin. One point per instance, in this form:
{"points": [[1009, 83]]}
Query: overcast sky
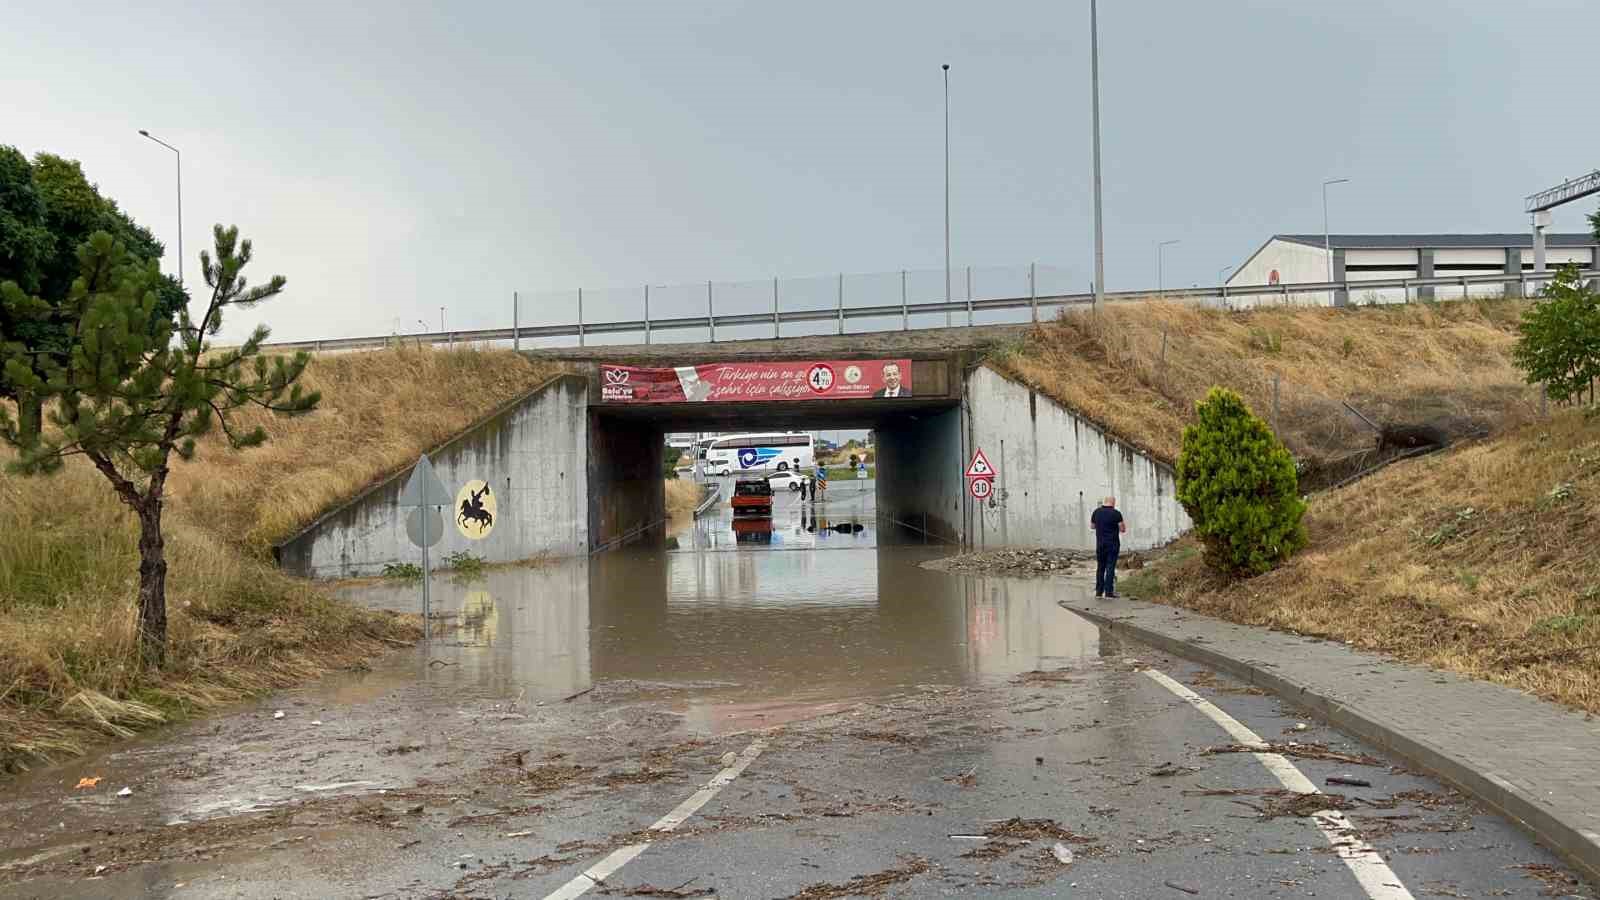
{"points": [[392, 158]]}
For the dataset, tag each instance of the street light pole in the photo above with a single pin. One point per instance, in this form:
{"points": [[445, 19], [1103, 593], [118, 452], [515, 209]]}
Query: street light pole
{"points": [[946, 68], [1099, 234], [441, 319], [1222, 274], [180, 198], [1326, 242], [1161, 282]]}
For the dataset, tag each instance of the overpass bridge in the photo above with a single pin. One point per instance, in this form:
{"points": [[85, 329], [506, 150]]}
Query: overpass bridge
{"points": [[576, 465]]}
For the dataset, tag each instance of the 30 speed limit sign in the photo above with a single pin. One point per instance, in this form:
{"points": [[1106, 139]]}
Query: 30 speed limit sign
{"points": [[980, 488]]}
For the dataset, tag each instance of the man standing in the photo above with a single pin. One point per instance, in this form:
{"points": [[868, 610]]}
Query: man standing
{"points": [[1108, 529]]}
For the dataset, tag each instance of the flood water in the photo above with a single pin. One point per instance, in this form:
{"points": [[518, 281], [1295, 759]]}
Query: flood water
{"points": [[741, 624]]}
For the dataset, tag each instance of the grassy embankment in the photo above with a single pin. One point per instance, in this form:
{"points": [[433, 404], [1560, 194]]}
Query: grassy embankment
{"points": [[69, 671], [1478, 560], [683, 495], [1446, 365]]}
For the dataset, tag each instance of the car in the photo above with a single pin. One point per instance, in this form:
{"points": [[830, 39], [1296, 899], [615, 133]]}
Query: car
{"points": [[785, 479], [719, 468]]}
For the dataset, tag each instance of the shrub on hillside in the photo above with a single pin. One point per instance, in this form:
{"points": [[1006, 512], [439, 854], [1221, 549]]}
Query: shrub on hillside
{"points": [[1238, 484], [1560, 339]]}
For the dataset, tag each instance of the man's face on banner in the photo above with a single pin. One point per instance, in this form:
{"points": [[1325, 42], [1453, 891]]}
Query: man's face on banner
{"points": [[891, 376]]}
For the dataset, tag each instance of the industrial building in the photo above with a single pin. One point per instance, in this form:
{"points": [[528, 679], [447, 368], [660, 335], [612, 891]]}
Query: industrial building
{"points": [[1304, 258]]}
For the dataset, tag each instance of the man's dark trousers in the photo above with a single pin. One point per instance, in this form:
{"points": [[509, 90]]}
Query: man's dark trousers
{"points": [[1105, 568]]}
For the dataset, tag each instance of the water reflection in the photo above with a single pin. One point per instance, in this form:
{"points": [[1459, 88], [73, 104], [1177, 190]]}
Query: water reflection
{"points": [[780, 632]]}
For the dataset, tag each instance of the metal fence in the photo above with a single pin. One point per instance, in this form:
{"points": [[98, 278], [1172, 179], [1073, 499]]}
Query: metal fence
{"points": [[883, 301]]}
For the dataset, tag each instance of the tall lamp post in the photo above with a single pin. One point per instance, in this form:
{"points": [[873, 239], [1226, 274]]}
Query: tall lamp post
{"points": [[1161, 281], [180, 198], [1099, 234], [1326, 242], [946, 68]]}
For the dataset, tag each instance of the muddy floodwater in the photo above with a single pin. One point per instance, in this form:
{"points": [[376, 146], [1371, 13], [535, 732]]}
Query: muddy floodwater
{"points": [[738, 623], [802, 710]]}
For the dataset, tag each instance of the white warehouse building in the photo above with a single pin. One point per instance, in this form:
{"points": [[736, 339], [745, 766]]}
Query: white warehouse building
{"points": [[1301, 259]]}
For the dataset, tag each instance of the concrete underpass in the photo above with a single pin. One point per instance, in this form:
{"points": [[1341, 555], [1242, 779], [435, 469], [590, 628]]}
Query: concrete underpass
{"points": [[573, 473]]}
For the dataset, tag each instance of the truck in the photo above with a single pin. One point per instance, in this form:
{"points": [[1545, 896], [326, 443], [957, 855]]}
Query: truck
{"points": [[752, 497]]}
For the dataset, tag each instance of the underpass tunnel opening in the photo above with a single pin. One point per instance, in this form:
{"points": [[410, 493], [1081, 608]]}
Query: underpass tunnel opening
{"points": [[916, 444]]}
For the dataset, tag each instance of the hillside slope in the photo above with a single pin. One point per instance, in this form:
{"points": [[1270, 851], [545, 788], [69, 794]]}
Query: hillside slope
{"points": [[1444, 366], [1479, 560], [69, 671]]}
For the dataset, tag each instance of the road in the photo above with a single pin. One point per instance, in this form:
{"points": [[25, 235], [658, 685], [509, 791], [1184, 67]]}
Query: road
{"points": [[804, 713]]}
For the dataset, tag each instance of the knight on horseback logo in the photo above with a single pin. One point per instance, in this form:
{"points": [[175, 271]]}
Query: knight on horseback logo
{"points": [[475, 509]]}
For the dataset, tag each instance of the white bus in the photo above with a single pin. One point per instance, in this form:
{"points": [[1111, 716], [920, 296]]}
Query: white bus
{"points": [[765, 452]]}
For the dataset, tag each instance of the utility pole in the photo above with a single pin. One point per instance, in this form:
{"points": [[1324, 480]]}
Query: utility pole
{"points": [[1099, 233], [946, 68], [179, 154]]}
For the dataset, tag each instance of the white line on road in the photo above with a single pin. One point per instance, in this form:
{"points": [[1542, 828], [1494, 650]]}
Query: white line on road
{"points": [[1376, 878], [600, 871]]}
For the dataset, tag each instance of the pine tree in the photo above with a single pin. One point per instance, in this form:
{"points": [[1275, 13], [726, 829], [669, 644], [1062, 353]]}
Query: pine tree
{"points": [[1237, 482], [133, 387]]}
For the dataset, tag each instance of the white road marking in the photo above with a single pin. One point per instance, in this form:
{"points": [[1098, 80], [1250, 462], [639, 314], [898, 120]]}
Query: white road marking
{"points": [[1376, 878], [600, 871]]}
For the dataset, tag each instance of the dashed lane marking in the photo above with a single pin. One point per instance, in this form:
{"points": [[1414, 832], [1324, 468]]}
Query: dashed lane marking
{"points": [[605, 868], [1376, 878]]}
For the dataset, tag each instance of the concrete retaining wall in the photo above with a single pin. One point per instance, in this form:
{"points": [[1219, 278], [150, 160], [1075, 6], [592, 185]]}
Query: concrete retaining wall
{"points": [[919, 462], [533, 456], [1054, 468]]}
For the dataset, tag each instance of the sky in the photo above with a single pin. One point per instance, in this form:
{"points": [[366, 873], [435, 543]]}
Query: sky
{"points": [[394, 158]]}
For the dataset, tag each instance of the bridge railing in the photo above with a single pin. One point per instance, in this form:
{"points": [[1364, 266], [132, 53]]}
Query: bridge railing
{"points": [[1002, 297]]}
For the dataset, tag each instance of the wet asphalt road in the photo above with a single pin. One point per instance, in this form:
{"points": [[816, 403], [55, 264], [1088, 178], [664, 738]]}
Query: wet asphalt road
{"points": [[880, 729]]}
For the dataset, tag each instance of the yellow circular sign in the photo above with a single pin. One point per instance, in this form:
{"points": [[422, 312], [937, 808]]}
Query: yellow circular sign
{"points": [[475, 509]]}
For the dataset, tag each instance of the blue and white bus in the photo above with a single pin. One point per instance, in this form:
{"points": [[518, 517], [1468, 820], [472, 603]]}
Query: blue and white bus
{"points": [[763, 452]]}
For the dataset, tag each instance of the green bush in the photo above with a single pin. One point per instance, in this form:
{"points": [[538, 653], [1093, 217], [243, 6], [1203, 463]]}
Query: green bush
{"points": [[1238, 485], [1559, 344]]}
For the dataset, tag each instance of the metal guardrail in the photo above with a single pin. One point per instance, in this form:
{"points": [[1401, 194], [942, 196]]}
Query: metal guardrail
{"points": [[905, 310], [713, 494]]}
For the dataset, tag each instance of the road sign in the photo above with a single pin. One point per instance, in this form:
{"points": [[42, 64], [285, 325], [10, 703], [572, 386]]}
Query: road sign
{"points": [[979, 467], [429, 518], [980, 488], [424, 487]]}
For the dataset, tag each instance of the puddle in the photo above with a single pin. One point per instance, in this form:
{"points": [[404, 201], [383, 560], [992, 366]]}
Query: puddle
{"points": [[714, 633], [731, 632]]}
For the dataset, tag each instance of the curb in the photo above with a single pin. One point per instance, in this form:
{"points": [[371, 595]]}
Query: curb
{"points": [[1570, 840]]}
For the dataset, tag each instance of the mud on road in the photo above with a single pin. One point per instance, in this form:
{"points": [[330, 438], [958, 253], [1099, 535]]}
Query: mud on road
{"points": [[937, 790]]}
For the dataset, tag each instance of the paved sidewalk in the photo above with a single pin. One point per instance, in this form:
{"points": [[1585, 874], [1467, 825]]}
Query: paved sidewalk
{"points": [[1534, 762]]}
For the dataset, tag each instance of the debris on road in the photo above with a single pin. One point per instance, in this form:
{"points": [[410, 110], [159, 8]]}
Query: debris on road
{"points": [[1041, 676], [1279, 802], [1035, 829], [1012, 562], [125, 792], [87, 782], [278, 714], [865, 885], [1182, 886], [1062, 853], [1348, 781], [648, 890], [1298, 750], [1556, 881], [1169, 770], [729, 759]]}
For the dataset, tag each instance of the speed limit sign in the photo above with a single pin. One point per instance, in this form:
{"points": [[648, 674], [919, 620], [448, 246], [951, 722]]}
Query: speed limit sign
{"points": [[980, 488]]}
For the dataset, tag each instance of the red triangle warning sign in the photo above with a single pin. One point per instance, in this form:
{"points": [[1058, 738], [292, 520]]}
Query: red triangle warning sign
{"points": [[979, 467]]}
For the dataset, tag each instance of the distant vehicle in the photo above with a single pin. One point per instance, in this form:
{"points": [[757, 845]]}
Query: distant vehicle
{"points": [[786, 479], [719, 468], [762, 452], [751, 497]]}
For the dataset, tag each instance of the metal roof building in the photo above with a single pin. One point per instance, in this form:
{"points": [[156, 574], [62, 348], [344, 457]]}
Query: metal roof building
{"points": [[1302, 258]]}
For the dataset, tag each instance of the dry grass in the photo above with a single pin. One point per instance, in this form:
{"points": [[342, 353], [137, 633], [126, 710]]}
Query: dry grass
{"points": [[379, 411], [683, 495], [1480, 560], [69, 670], [1446, 363]]}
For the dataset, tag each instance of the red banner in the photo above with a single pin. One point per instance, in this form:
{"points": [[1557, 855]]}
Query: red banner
{"points": [[723, 382]]}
